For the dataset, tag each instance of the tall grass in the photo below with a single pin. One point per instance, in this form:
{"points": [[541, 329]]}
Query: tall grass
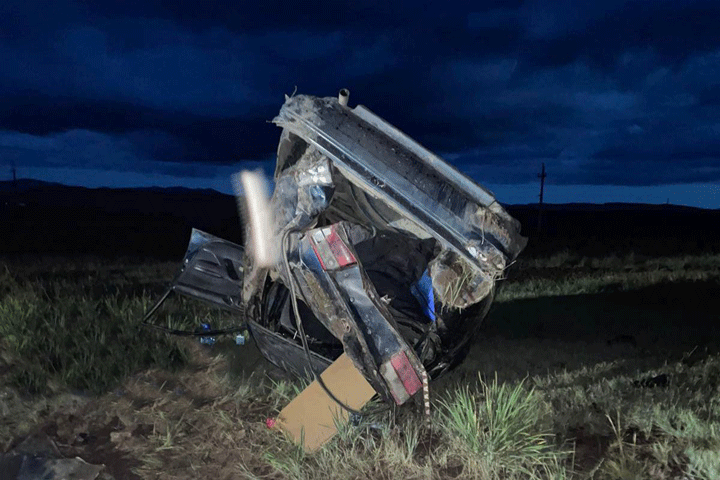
{"points": [[502, 431], [60, 332], [568, 274], [86, 343]]}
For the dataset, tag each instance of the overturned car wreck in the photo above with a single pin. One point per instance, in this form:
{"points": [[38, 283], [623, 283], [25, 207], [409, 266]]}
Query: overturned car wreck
{"points": [[392, 254]]}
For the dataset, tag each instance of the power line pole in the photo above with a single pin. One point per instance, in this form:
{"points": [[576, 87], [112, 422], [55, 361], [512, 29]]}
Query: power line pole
{"points": [[541, 176], [14, 184]]}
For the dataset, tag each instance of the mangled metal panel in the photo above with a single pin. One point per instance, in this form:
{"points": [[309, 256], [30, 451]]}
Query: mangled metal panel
{"points": [[388, 165]]}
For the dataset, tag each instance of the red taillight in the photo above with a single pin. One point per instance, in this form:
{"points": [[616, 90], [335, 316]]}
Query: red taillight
{"points": [[406, 373], [331, 249], [340, 251]]}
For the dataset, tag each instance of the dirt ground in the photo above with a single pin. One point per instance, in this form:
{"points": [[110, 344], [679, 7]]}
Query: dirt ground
{"points": [[106, 430]]}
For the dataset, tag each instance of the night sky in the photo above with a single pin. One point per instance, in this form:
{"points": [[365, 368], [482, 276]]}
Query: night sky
{"points": [[620, 100]]}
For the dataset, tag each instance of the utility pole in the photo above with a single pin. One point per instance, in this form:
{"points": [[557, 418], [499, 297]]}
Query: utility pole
{"points": [[15, 194], [541, 176]]}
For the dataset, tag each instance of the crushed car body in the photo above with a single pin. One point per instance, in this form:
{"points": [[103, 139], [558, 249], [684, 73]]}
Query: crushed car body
{"points": [[393, 256]]}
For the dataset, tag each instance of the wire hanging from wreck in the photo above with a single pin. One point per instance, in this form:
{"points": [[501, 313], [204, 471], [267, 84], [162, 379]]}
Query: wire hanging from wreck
{"points": [[303, 336]]}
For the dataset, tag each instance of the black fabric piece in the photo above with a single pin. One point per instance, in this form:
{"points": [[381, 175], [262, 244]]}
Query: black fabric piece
{"points": [[394, 262]]}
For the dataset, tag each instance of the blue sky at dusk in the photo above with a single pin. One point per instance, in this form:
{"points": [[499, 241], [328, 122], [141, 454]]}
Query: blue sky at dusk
{"points": [[620, 100]]}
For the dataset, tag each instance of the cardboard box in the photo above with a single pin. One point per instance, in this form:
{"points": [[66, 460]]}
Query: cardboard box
{"points": [[312, 417]]}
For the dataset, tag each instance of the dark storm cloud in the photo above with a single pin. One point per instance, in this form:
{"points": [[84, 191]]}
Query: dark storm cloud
{"points": [[615, 92], [710, 96], [197, 138], [600, 33]]}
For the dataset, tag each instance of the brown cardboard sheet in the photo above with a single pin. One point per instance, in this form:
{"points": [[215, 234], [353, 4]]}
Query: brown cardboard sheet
{"points": [[312, 417]]}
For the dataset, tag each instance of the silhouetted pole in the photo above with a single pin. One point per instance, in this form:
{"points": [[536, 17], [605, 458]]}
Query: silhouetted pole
{"points": [[15, 194], [541, 176]]}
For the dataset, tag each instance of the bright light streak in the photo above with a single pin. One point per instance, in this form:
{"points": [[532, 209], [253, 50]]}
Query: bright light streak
{"points": [[251, 190]]}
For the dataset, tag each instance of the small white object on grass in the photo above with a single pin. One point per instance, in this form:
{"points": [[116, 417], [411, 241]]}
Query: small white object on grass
{"points": [[426, 395], [251, 191]]}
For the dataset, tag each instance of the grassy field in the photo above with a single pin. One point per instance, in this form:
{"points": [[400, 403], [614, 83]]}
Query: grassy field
{"points": [[587, 368]]}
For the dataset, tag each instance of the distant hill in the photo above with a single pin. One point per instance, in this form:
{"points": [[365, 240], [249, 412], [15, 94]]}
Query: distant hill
{"points": [[616, 206], [157, 221], [25, 184], [52, 218], [596, 230]]}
